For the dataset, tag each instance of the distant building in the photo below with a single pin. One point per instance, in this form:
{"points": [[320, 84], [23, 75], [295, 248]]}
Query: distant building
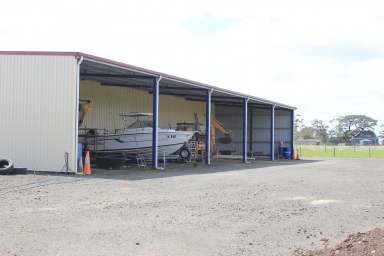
{"points": [[365, 138]]}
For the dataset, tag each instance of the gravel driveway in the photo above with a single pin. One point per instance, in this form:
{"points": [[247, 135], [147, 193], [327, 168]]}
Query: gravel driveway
{"points": [[245, 209]]}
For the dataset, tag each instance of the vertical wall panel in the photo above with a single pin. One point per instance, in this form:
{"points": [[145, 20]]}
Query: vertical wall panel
{"points": [[261, 131], [283, 127], [38, 106]]}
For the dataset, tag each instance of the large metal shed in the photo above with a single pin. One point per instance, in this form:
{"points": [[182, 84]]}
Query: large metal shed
{"points": [[39, 100]]}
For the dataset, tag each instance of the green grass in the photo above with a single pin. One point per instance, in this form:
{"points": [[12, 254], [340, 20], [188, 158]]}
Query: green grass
{"points": [[340, 151]]}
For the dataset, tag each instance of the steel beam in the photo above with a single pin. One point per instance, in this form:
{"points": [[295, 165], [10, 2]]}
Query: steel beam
{"points": [[155, 125], [238, 104], [79, 61], [135, 86], [178, 88], [116, 76], [273, 133], [245, 130], [176, 94], [208, 127], [251, 130], [149, 88], [292, 132], [216, 97]]}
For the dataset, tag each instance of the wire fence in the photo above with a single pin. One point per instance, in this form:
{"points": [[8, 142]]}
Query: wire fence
{"points": [[340, 151]]}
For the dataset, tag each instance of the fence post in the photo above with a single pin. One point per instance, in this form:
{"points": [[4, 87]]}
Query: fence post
{"points": [[369, 149], [334, 151]]}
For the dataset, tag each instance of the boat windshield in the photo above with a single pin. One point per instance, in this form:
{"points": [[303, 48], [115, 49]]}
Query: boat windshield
{"points": [[141, 120], [140, 124]]}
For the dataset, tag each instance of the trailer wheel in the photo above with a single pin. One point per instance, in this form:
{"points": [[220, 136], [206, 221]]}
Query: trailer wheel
{"points": [[185, 154]]}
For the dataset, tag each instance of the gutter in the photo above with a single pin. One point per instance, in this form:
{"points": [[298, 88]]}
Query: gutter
{"points": [[79, 59]]}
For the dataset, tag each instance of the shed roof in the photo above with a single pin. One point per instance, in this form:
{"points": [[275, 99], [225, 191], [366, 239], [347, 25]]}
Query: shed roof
{"points": [[225, 94]]}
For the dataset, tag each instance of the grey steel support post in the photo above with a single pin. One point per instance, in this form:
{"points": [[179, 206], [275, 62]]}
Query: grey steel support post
{"points": [[208, 127], [155, 120], [251, 130], [76, 149], [292, 133], [273, 133], [245, 129]]}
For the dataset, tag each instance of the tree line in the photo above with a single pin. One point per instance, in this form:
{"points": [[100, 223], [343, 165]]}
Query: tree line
{"points": [[344, 129]]}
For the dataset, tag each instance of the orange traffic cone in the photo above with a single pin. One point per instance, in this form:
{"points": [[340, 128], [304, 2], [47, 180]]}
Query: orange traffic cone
{"points": [[87, 164], [295, 155]]}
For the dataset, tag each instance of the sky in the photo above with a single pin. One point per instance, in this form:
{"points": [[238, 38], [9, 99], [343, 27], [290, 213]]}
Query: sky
{"points": [[324, 57]]}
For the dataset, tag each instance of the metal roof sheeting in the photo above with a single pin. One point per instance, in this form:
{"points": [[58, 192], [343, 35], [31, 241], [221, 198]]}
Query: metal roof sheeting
{"points": [[166, 78]]}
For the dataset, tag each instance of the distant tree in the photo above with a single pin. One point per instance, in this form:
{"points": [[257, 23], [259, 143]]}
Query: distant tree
{"points": [[381, 133], [299, 121], [320, 130], [350, 126], [306, 133], [332, 137]]}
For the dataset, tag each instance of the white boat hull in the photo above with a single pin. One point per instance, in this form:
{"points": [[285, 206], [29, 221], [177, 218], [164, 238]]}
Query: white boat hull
{"points": [[139, 141]]}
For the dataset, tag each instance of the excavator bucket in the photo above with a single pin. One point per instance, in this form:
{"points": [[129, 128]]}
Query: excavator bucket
{"points": [[226, 139], [84, 108]]}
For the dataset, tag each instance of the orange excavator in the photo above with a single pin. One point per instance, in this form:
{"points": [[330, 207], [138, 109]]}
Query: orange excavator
{"points": [[224, 140], [215, 125], [84, 108]]}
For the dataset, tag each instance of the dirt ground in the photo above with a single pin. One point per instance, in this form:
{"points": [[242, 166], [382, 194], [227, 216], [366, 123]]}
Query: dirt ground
{"points": [[367, 243], [261, 208]]}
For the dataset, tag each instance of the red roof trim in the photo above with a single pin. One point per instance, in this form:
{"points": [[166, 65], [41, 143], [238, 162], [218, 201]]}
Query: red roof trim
{"points": [[42, 53]]}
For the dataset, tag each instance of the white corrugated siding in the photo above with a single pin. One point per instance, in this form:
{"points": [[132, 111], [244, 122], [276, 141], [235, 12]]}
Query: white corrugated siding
{"points": [[38, 106], [109, 101]]}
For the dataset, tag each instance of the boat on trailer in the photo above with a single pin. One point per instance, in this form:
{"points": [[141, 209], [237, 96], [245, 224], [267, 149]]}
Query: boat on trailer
{"points": [[135, 139]]}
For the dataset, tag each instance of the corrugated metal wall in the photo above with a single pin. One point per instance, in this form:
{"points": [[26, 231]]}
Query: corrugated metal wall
{"points": [[38, 106], [109, 101], [261, 131], [283, 127], [259, 128]]}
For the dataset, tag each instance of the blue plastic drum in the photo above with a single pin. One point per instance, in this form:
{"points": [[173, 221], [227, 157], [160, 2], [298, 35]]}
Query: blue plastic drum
{"points": [[287, 152]]}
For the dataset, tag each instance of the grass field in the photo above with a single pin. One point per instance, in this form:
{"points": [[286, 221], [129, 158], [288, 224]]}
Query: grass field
{"points": [[340, 151]]}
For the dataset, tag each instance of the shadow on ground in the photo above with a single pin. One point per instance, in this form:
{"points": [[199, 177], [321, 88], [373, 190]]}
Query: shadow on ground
{"points": [[180, 169]]}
